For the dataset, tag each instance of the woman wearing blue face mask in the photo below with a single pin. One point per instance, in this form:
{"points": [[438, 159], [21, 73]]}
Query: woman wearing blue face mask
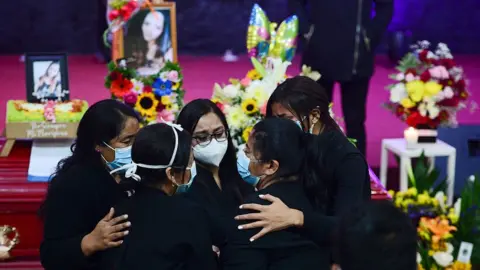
{"points": [[78, 216], [170, 232], [281, 157], [343, 169], [217, 187]]}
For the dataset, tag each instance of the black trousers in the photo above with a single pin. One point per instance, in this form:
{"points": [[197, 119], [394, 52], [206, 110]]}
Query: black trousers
{"points": [[354, 105]]}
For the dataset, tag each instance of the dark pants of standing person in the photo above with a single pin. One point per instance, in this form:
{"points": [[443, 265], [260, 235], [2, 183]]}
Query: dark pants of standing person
{"points": [[354, 104], [102, 25]]}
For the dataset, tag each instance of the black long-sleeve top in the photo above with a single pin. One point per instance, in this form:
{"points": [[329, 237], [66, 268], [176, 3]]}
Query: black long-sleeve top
{"points": [[347, 171], [220, 204], [345, 35], [168, 233], [287, 249], [77, 200]]}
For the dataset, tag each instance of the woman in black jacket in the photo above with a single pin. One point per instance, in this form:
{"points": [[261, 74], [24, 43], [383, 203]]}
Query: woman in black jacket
{"points": [[217, 187], [79, 221], [343, 179], [170, 232], [281, 156]]}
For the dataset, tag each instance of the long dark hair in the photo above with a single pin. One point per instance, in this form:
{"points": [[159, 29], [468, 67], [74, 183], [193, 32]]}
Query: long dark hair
{"points": [[154, 145], [102, 122], [228, 172], [296, 152], [301, 95]]}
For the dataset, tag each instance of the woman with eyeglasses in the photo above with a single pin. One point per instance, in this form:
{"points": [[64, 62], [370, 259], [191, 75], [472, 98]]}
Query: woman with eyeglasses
{"points": [[218, 186], [170, 231]]}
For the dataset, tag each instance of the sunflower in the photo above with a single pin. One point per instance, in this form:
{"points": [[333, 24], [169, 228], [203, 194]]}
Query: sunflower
{"points": [[249, 106], [146, 105], [246, 133], [254, 75], [121, 87]]}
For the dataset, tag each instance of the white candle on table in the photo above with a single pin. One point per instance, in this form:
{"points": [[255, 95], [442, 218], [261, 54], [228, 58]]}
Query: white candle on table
{"points": [[411, 136]]}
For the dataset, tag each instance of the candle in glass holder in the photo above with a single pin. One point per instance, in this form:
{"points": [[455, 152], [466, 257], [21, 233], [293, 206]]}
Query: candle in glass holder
{"points": [[411, 136]]}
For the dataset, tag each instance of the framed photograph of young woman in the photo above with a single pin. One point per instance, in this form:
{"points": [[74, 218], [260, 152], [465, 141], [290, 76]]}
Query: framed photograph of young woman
{"points": [[46, 77], [150, 38]]}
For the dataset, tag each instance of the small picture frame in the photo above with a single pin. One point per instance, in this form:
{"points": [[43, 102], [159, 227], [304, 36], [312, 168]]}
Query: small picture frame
{"points": [[47, 77], [149, 39]]}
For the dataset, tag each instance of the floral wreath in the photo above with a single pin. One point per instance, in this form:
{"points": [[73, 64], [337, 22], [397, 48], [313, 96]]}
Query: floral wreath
{"points": [[156, 98]]}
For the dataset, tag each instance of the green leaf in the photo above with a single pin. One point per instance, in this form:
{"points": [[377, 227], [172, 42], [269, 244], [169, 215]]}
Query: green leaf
{"points": [[111, 66], [259, 67]]}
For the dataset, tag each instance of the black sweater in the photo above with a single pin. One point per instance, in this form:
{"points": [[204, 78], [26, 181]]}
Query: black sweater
{"points": [[168, 233], [221, 205], [286, 249], [346, 172], [342, 27], [77, 201]]}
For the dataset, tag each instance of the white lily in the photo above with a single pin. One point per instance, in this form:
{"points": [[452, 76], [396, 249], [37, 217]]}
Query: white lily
{"points": [[428, 105], [471, 178], [440, 197], [419, 258], [276, 70], [458, 207], [398, 92], [307, 72], [443, 259], [450, 248]]}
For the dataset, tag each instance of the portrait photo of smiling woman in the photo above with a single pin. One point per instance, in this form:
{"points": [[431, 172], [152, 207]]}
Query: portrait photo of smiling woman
{"points": [[150, 39]]}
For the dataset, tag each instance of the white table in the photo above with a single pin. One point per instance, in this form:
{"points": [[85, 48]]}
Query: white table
{"points": [[399, 147]]}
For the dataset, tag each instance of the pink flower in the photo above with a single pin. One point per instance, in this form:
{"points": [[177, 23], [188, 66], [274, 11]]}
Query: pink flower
{"points": [[439, 72], [130, 98], [252, 52], [165, 116], [172, 76], [263, 109], [245, 81]]}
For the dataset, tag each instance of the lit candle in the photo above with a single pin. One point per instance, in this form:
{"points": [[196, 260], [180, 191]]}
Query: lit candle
{"points": [[411, 136]]}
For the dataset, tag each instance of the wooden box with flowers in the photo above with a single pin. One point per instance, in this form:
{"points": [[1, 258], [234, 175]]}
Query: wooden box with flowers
{"points": [[156, 98], [430, 89]]}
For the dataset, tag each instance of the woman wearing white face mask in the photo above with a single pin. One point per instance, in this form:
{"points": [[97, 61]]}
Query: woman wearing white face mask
{"points": [[78, 216], [218, 185], [170, 232]]}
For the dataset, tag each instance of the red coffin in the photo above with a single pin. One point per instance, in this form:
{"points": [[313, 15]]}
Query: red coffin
{"points": [[20, 201]]}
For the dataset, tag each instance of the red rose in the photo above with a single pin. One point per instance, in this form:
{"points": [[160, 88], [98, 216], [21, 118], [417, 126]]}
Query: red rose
{"points": [[451, 102], [125, 12], [113, 15], [415, 119], [461, 84], [448, 63], [400, 111], [160, 107], [463, 95], [132, 5], [115, 75], [425, 76], [423, 55], [411, 71], [147, 89]]}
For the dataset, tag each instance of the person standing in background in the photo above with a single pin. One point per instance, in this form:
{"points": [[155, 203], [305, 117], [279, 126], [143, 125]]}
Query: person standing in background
{"points": [[341, 37], [103, 53]]}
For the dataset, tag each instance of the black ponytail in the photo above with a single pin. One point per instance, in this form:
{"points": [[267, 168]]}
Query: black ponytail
{"points": [[313, 174]]}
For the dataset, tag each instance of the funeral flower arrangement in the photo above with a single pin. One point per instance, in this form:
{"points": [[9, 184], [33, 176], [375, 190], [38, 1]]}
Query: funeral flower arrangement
{"points": [[430, 88], [244, 100], [443, 230], [158, 97]]}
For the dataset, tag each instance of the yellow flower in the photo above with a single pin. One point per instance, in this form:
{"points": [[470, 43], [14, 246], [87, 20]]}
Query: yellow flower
{"points": [[259, 91], [420, 267], [246, 133], [415, 90], [391, 193], [236, 118], [412, 191], [407, 103], [432, 88], [146, 105], [461, 266], [249, 106], [254, 75], [423, 198], [166, 100], [175, 85], [407, 202]]}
